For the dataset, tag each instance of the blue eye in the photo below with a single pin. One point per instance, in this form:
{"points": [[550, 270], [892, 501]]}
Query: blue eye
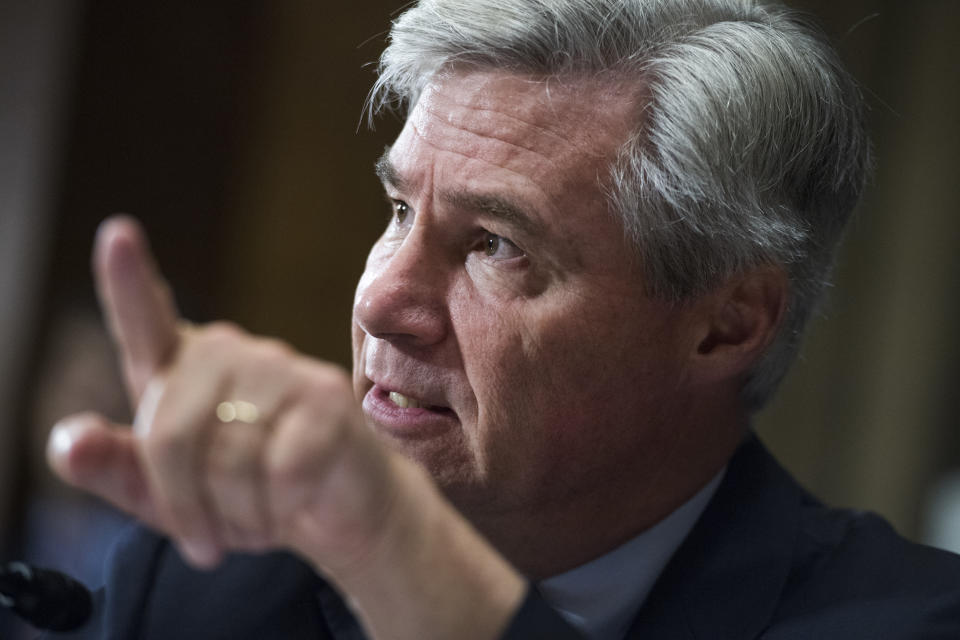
{"points": [[500, 248]]}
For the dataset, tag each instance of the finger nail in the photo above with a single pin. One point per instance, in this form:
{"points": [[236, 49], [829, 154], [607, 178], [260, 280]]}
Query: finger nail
{"points": [[64, 434], [61, 441]]}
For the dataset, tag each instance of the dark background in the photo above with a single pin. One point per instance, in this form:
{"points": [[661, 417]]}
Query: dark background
{"points": [[234, 131]]}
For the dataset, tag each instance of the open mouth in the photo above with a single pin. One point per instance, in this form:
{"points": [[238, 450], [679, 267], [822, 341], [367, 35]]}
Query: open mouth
{"points": [[407, 402], [408, 417]]}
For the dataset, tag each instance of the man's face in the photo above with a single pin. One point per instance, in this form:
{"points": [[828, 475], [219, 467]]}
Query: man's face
{"points": [[503, 300]]}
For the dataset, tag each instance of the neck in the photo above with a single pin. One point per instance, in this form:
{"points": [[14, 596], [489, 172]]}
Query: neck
{"points": [[559, 536]]}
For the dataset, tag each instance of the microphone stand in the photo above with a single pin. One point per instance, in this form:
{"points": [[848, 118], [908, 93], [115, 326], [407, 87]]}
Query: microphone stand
{"points": [[45, 598]]}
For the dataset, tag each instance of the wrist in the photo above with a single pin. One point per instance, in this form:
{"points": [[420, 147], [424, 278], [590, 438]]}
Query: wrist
{"points": [[427, 566]]}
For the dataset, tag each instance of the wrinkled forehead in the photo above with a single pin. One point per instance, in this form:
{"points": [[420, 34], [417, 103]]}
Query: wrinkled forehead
{"points": [[570, 126]]}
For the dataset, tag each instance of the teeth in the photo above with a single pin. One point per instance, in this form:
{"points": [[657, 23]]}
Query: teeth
{"points": [[403, 401]]}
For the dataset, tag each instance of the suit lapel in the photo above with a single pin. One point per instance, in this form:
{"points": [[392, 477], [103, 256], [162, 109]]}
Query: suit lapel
{"points": [[726, 578]]}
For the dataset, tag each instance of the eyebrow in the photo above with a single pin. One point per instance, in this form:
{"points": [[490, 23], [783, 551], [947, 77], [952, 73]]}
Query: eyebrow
{"points": [[497, 207], [388, 173], [492, 205]]}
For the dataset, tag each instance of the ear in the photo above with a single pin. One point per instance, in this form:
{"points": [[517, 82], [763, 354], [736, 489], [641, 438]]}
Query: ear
{"points": [[738, 322]]}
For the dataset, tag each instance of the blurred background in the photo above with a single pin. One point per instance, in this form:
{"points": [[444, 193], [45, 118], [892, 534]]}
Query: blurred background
{"points": [[234, 131]]}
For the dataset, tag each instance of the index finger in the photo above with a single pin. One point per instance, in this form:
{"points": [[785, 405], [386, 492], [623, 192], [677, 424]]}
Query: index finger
{"points": [[136, 301]]}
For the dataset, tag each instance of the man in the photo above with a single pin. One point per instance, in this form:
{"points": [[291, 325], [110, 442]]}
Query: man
{"points": [[610, 221]]}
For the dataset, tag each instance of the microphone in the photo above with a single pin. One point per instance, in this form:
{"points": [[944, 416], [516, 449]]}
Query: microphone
{"points": [[45, 598]]}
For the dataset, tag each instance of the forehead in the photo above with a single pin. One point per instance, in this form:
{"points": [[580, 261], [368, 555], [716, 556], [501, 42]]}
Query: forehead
{"points": [[576, 114], [550, 135]]}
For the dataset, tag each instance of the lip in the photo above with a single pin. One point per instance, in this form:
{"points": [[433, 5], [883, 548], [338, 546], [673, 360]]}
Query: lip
{"points": [[407, 423]]}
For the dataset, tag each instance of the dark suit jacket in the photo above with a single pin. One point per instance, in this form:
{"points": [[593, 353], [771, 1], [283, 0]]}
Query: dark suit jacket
{"points": [[765, 560]]}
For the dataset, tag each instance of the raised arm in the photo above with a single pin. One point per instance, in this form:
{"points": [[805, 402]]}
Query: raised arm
{"points": [[287, 464]]}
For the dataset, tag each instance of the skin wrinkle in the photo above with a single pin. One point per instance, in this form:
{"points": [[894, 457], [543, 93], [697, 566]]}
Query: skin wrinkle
{"points": [[552, 263], [423, 137], [448, 456], [559, 206], [496, 207], [565, 392], [387, 173], [491, 204], [599, 90], [453, 123], [615, 87]]}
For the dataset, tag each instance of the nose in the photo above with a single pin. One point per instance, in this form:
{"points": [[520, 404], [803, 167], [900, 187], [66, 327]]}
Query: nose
{"points": [[400, 297]]}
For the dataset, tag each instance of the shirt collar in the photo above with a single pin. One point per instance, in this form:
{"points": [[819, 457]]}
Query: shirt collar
{"points": [[601, 597]]}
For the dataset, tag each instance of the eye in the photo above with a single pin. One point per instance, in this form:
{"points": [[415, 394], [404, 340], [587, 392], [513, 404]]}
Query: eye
{"points": [[500, 248], [400, 210]]}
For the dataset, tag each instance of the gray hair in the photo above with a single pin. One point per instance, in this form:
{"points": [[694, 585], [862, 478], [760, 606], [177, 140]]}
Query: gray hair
{"points": [[749, 146]]}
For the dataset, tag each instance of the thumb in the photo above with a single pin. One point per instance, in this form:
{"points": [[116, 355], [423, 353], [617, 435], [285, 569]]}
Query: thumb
{"points": [[89, 452], [136, 301]]}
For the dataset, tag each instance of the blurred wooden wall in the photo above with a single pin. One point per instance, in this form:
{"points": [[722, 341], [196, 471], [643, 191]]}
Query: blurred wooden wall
{"points": [[233, 129], [868, 417], [35, 44], [306, 205]]}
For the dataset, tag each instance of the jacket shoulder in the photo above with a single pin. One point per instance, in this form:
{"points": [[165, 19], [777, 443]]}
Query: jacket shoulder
{"points": [[854, 576]]}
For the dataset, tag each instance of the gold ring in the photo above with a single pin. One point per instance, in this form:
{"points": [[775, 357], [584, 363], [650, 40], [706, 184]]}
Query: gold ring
{"points": [[237, 411]]}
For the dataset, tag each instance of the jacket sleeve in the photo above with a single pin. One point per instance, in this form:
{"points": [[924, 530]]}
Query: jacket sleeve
{"points": [[130, 566], [151, 594]]}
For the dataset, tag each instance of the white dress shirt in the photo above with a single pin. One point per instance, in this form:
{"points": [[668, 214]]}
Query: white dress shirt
{"points": [[602, 596]]}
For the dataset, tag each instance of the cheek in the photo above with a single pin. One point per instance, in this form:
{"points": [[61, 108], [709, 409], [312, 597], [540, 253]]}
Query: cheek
{"points": [[524, 370], [579, 379]]}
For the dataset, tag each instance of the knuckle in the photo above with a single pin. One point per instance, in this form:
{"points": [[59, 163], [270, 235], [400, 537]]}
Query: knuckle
{"points": [[295, 466], [272, 355], [224, 330], [284, 474], [304, 452], [230, 458], [217, 335], [214, 341], [319, 388], [274, 349]]}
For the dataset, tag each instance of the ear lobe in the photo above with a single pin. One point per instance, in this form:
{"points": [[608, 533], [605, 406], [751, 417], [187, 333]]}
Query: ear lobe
{"points": [[741, 320]]}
